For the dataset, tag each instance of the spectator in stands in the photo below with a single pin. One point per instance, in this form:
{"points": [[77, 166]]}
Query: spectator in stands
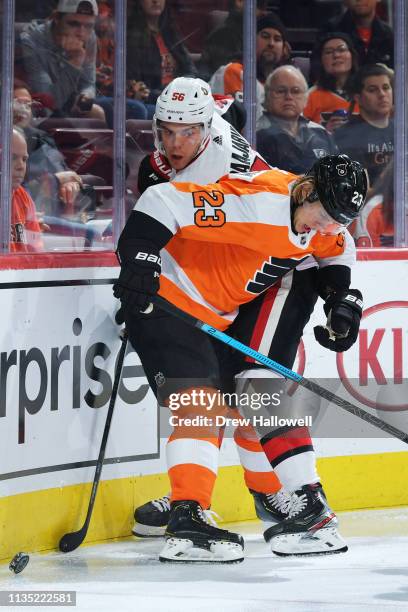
{"points": [[225, 43], [272, 50], [48, 177], [25, 231], [375, 226], [56, 190], [59, 58], [285, 138], [155, 51], [372, 37], [369, 136], [105, 59], [335, 63], [105, 52]]}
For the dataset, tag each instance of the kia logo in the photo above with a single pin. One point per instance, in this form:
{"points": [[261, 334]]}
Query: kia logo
{"points": [[380, 349]]}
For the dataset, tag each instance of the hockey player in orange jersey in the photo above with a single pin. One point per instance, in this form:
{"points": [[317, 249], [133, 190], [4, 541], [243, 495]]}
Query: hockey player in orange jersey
{"points": [[208, 250]]}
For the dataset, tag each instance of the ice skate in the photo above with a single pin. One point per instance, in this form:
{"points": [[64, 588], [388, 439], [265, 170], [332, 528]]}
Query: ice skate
{"points": [[151, 519], [191, 538], [310, 527], [271, 508]]}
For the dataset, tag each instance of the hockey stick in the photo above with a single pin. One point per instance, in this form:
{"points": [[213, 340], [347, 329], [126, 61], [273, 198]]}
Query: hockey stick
{"points": [[282, 370], [71, 541]]}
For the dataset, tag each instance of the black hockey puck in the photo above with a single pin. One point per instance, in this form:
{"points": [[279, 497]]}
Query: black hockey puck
{"points": [[18, 562]]}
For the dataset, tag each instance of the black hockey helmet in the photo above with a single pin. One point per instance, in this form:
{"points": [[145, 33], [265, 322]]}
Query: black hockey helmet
{"points": [[341, 186]]}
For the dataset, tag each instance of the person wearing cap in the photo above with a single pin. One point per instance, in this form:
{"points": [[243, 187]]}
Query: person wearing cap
{"points": [[272, 50], [334, 62], [59, 59], [285, 138]]}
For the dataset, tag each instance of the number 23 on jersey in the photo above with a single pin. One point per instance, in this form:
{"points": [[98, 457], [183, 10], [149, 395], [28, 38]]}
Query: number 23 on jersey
{"points": [[202, 218]]}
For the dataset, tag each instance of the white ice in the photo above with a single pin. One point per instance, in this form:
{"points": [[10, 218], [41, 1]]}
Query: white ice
{"points": [[125, 575]]}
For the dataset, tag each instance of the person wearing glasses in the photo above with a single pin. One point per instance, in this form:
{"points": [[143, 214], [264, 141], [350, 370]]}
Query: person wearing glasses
{"points": [[48, 177], [57, 191], [59, 59], [334, 62], [372, 37], [285, 138]]}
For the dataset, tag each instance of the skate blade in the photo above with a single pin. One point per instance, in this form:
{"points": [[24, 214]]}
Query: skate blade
{"points": [[177, 550], [322, 542], [148, 531]]}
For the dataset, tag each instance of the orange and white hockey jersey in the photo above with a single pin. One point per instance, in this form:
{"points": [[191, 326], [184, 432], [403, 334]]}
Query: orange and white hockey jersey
{"points": [[25, 231], [231, 241], [325, 101], [229, 80]]}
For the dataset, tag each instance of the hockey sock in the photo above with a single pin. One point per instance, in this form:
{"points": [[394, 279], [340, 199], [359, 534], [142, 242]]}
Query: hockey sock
{"points": [[292, 456], [192, 466], [258, 473]]}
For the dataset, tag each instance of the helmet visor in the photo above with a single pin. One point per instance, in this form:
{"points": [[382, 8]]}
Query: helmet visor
{"points": [[189, 134]]}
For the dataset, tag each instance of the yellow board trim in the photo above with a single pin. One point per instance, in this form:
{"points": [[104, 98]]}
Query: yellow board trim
{"points": [[35, 521]]}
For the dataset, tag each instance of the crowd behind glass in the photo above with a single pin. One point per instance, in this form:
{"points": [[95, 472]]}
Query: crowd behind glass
{"points": [[324, 84]]}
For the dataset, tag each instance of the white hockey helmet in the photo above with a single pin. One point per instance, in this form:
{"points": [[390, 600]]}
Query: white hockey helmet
{"points": [[185, 100]]}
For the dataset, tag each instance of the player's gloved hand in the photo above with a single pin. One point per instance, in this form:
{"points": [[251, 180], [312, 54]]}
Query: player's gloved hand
{"points": [[343, 310], [139, 278]]}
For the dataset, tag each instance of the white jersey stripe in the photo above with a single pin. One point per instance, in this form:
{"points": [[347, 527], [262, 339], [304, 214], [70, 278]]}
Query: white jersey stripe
{"points": [[274, 314], [198, 452], [253, 460]]}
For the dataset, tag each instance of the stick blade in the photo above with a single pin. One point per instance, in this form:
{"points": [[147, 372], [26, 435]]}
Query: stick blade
{"points": [[71, 541]]}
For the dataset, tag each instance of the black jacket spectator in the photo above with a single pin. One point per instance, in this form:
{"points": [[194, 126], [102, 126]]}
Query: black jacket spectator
{"points": [[223, 45], [144, 59], [294, 154], [45, 160], [381, 46], [372, 146]]}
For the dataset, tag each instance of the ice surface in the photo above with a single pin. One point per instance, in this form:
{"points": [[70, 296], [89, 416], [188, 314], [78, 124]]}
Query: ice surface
{"points": [[126, 575]]}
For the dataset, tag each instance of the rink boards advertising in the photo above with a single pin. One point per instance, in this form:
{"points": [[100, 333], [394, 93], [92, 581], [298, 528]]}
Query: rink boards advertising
{"points": [[57, 361]]}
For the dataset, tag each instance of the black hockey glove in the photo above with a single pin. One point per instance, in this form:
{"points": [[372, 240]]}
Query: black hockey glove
{"points": [[343, 310], [139, 277]]}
